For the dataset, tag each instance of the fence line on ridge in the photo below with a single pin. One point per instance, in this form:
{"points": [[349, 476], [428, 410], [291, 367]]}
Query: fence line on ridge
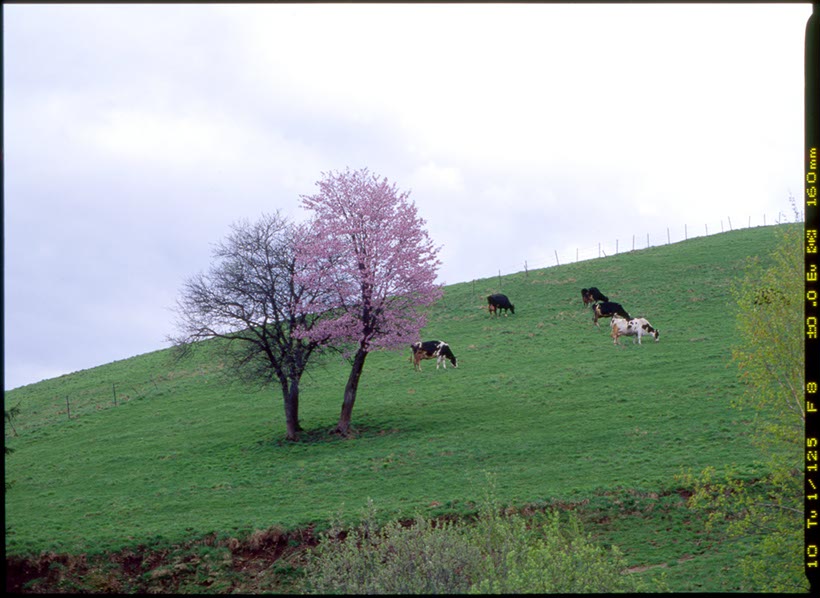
{"points": [[636, 242]]}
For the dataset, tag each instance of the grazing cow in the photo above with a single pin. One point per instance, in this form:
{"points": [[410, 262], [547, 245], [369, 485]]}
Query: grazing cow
{"points": [[438, 350], [591, 295], [634, 327], [499, 301], [607, 309]]}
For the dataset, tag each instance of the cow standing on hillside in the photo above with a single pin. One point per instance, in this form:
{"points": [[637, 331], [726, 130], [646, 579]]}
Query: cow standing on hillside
{"points": [[607, 309], [591, 295], [438, 350], [637, 327], [499, 301]]}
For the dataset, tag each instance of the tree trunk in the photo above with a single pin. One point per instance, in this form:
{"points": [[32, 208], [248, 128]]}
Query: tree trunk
{"points": [[350, 392], [292, 410]]}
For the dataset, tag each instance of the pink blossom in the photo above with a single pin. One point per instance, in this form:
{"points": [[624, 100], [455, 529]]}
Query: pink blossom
{"points": [[370, 258]]}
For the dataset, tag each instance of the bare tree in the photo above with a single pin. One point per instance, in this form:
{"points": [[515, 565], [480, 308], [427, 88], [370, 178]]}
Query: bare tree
{"points": [[250, 297]]}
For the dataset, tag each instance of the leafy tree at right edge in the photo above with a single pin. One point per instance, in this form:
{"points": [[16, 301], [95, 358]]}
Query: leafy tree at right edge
{"points": [[769, 354]]}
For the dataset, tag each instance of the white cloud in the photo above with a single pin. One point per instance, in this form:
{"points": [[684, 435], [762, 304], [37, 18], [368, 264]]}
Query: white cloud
{"points": [[442, 178]]}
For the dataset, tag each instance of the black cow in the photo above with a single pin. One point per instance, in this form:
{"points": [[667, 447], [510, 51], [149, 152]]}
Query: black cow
{"points": [[607, 309], [438, 350], [499, 301], [591, 295]]}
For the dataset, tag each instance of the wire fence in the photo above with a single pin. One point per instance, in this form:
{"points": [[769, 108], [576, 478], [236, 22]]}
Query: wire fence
{"points": [[48, 408], [636, 242], [83, 393]]}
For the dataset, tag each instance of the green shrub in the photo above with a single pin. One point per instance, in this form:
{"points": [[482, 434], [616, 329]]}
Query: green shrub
{"points": [[500, 553], [550, 557], [421, 558]]}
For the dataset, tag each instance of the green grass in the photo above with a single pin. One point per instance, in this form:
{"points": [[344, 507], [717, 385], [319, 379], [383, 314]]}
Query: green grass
{"points": [[542, 399]]}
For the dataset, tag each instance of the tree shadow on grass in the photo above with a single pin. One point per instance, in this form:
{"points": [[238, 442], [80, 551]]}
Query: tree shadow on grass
{"points": [[329, 435]]}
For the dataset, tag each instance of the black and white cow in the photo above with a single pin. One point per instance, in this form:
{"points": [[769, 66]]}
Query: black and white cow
{"points": [[499, 301], [607, 309], [591, 295], [438, 350], [637, 327]]}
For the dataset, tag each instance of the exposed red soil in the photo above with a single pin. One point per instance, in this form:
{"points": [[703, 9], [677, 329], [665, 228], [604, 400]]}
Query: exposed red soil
{"points": [[245, 567]]}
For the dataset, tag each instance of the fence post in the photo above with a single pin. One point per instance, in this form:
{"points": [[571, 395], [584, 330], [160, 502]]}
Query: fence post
{"points": [[668, 238], [526, 272], [685, 233], [730, 222], [647, 240], [557, 263], [67, 407], [616, 246], [707, 229]]}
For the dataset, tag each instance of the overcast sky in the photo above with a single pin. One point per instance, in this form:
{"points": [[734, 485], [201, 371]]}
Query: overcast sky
{"points": [[135, 135]]}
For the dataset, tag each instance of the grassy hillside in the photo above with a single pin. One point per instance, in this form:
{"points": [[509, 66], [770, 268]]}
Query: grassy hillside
{"points": [[541, 399]]}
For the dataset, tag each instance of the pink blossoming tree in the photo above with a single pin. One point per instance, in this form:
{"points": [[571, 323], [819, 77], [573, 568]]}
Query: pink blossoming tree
{"points": [[371, 266]]}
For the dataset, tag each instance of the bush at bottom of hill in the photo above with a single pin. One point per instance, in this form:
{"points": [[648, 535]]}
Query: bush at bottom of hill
{"points": [[498, 553]]}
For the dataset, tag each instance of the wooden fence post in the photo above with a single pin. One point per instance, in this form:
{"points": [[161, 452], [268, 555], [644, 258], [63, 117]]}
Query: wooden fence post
{"points": [[67, 407]]}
